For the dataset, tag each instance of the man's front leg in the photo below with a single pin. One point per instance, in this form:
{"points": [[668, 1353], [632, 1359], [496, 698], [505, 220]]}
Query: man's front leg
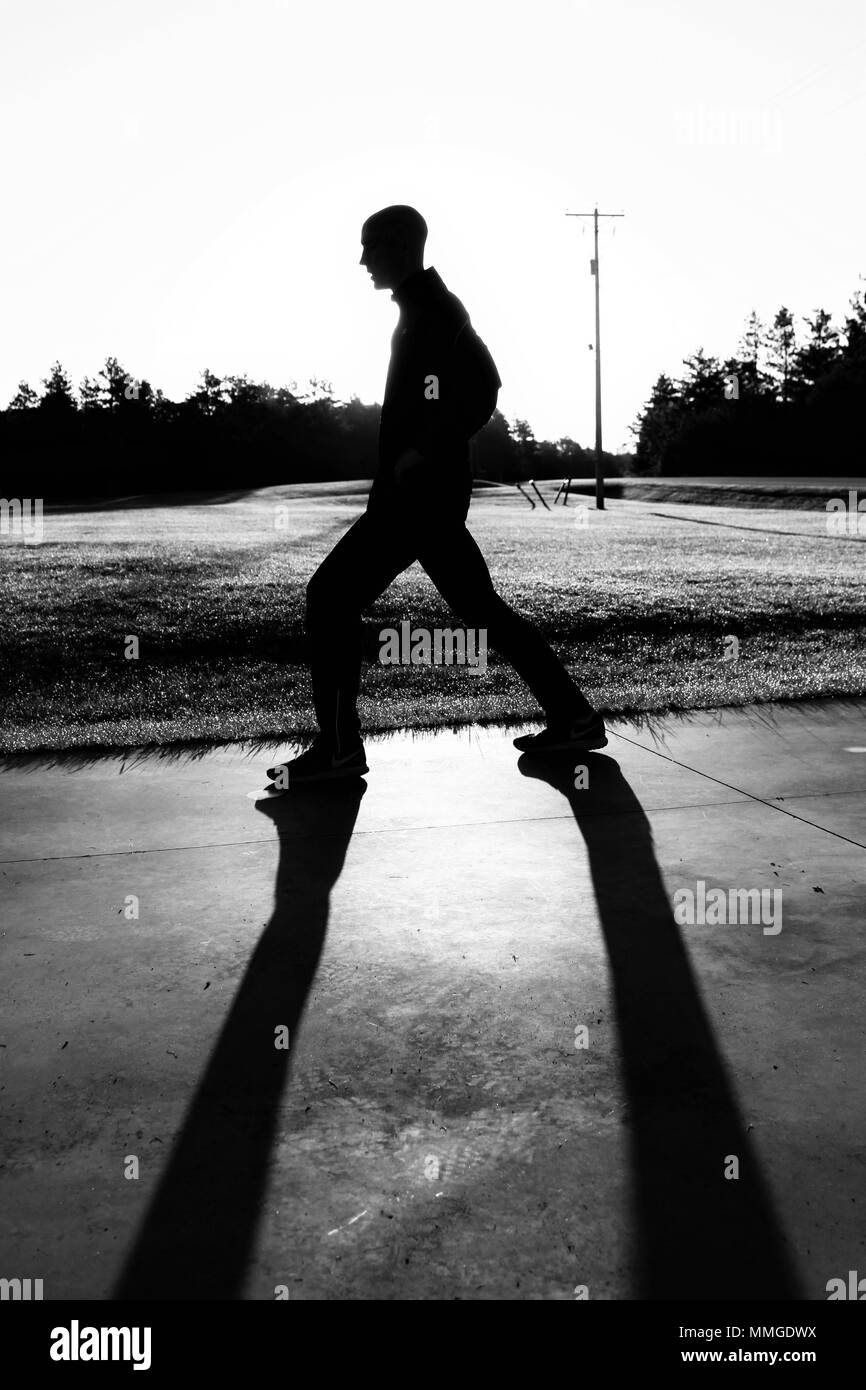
{"points": [[409, 470], [360, 567]]}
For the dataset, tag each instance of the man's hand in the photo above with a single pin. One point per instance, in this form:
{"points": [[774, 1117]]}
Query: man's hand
{"points": [[407, 468]]}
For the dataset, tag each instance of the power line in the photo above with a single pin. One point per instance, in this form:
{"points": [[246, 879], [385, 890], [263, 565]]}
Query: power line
{"points": [[806, 79]]}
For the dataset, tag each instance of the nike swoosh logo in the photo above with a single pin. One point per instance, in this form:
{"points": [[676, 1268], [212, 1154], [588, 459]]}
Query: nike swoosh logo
{"points": [[338, 762]]}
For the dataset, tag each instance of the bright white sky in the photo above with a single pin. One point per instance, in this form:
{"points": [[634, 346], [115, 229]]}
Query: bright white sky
{"points": [[185, 184]]}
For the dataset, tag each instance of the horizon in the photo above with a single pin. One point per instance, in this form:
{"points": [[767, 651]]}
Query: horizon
{"points": [[217, 223]]}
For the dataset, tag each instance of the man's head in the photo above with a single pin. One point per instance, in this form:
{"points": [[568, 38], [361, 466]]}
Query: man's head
{"points": [[393, 245]]}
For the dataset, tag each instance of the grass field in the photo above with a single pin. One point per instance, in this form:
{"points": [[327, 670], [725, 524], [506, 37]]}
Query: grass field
{"points": [[638, 602]]}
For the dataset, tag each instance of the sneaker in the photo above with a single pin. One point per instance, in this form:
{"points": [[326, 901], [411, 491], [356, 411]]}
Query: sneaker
{"points": [[563, 738], [319, 764]]}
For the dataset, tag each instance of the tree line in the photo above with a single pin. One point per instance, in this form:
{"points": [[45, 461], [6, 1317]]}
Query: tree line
{"points": [[119, 434], [790, 401]]}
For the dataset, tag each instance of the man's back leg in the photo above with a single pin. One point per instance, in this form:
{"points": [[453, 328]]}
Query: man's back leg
{"points": [[452, 559]]}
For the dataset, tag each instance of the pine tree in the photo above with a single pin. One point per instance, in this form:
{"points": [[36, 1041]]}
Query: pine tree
{"points": [[703, 386], [657, 425], [782, 344], [90, 394], [25, 397], [855, 329], [752, 348], [210, 395], [58, 394], [115, 379], [525, 444], [818, 355]]}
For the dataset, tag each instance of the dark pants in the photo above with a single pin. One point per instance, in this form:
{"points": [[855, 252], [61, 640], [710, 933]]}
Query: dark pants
{"points": [[379, 546]]}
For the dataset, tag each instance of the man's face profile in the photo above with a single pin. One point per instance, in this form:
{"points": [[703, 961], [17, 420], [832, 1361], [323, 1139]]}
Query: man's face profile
{"points": [[381, 254]]}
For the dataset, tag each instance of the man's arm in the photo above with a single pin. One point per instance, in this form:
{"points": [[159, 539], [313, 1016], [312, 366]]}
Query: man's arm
{"points": [[424, 379], [408, 466], [460, 395], [438, 425]]}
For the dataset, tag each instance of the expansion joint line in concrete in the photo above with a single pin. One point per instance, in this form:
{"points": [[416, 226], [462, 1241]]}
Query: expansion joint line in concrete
{"points": [[741, 790], [356, 834], [759, 530]]}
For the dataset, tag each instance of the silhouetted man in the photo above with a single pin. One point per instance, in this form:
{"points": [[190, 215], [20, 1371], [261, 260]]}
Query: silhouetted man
{"points": [[442, 386]]}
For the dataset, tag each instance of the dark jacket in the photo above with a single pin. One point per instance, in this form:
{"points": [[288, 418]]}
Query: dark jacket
{"points": [[441, 388]]}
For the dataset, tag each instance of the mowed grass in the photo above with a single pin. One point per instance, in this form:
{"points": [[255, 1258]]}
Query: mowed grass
{"points": [[637, 604]]}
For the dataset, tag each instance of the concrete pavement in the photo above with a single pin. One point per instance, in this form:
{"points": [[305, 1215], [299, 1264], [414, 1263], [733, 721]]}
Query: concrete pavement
{"points": [[439, 1034]]}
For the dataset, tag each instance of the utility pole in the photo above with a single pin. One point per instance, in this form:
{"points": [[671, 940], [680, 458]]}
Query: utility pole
{"points": [[599, 473]]}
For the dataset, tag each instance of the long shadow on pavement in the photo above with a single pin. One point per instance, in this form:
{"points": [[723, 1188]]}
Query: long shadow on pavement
{"points": [[197, 1235], [699, 1235]]}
